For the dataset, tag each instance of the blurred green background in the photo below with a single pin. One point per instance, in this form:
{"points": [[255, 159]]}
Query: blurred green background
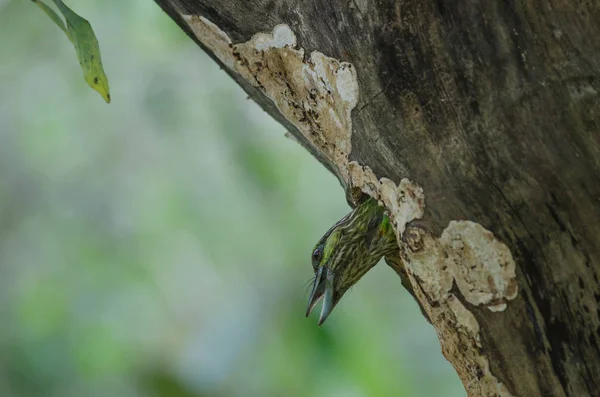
{"points": [[160, 245]]}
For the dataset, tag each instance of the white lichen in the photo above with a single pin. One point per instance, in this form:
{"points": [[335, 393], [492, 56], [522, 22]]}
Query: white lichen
{"points": [[316, 95], [215, 40], [482, 266], [483, 269], [282, 36]]}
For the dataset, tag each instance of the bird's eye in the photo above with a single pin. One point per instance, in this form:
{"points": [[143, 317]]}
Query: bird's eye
{"points": [[316, 255]]}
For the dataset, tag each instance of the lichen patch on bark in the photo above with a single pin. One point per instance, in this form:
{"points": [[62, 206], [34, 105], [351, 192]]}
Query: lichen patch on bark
{"points": [[483, 267], [468, 255], [213, 38], [281, 37], [316, 94]]}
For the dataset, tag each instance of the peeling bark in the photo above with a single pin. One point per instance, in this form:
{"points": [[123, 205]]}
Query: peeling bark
{"points": [[478, 119]]}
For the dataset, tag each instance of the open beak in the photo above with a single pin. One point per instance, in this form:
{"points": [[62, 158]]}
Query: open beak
{"points": [[323, 286]]}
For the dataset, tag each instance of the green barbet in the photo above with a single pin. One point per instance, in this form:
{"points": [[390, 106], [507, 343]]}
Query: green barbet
{"points": [[347, 251]]}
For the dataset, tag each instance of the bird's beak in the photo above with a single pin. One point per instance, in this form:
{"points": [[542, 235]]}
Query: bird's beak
{"points": [[318, 290], [323, 286]]}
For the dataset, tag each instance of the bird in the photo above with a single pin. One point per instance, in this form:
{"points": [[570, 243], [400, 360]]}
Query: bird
{"points": [[348, 250]]}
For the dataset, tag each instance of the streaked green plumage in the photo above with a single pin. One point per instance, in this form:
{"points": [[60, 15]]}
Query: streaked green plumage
{"points": [[347, 251]]}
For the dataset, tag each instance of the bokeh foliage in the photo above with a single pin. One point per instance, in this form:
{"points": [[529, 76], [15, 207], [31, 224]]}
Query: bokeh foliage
{"points": [[160, 246]]}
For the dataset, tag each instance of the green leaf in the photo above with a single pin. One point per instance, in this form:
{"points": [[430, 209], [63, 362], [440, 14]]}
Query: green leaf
{"points": [[54, 16], [80, 33]]}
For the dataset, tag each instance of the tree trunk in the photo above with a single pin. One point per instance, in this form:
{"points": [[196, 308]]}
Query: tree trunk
{"points": [[480, 119]]}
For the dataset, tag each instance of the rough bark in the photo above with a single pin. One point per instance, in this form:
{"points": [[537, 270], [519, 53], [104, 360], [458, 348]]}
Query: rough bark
{"points": [[492, 108]]}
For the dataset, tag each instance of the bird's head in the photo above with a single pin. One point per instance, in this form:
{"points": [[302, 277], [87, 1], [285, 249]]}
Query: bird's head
{"points": [[347, 251]]}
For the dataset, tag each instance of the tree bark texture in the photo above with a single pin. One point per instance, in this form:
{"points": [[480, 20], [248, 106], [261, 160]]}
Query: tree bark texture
{"points": [[491, 109]]}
